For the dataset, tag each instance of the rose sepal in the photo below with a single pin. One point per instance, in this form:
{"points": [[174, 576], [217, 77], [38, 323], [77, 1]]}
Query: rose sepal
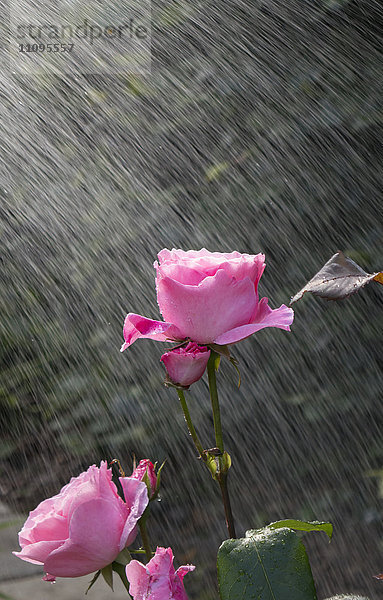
{"points": [[123, 558], [94, 579], [222, 350], [224, 462], [157, 490], [153, 494], [211, 463], [107, 573], [117, 566], [217, 462], [169, 383]]}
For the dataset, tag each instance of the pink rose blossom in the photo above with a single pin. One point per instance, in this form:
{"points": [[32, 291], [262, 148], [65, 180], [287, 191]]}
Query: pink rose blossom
{"points": [[85, 526], [185, 365], [146, 466], [157, 580], [207, 297]]}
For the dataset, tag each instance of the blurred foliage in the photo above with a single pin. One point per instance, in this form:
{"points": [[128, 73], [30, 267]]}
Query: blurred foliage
{"points": [[259, 128]]}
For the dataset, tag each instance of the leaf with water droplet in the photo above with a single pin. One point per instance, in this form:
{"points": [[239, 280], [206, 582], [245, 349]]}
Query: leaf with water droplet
{"points": [[275, 563], [337, 279]]}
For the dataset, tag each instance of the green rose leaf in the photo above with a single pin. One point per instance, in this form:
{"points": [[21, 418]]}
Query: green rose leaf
{"points": [[269, 564], [302, 526]]}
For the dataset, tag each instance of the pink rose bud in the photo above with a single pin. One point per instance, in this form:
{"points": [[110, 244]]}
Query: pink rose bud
{"points": [[84, 527], [146, 467], [157, 580], [207, 297], [186, 365]]}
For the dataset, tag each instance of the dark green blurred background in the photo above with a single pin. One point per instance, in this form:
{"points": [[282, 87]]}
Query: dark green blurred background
{"points": [[259, 129]]}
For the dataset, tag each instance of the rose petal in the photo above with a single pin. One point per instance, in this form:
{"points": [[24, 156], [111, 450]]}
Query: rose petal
{"points": [[178, 586], [37, 553], [281, 318], [202, 256], [186, 365], [146, 467], [181, 273], [45, 507], [138, 579], [160, 589], [157, 580], [51, 528], [81, 488], [93, 483], [161, 565], [93, 543], [182, 571], [45, 510], [207, 263], [137, 326], [175, 255], [136, 497], [106, 487], [246, 266], [204, 312]]}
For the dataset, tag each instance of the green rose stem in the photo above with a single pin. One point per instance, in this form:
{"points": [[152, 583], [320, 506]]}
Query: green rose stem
{"points": [[221, 475], [226, 504], [214, 400], [189, 422], [144, 534]]}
